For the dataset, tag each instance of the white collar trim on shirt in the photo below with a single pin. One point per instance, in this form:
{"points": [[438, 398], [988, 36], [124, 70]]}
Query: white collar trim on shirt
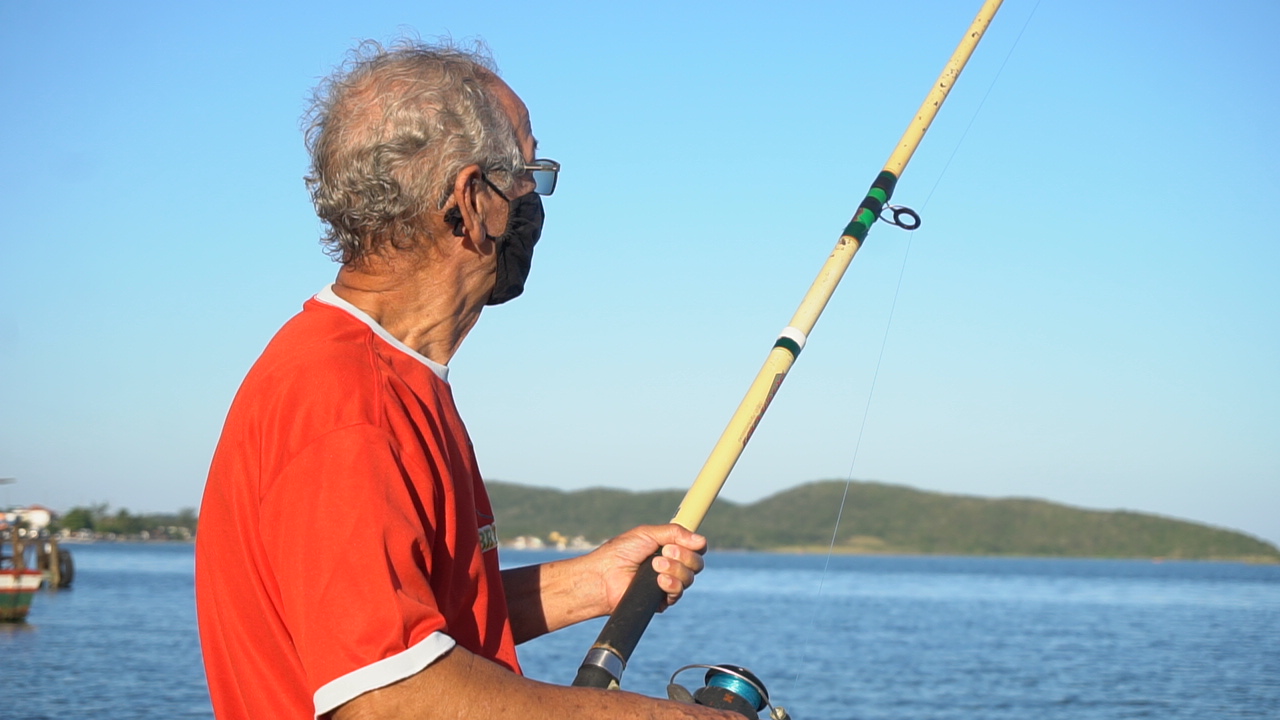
{"points": [[329, 297]]}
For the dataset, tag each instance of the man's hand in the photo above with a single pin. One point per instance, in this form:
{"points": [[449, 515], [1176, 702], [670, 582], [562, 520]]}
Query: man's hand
{"points": [[618, 559], [545, 598]]}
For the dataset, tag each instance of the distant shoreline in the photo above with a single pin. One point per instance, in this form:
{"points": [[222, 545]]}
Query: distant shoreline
{"points": [[845, 552], [814, 550], [124, 540], [792, 550], [881, 519]]}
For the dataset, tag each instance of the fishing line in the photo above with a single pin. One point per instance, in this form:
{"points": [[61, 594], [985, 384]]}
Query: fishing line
{"points": [[884, 341], [607, 659]]}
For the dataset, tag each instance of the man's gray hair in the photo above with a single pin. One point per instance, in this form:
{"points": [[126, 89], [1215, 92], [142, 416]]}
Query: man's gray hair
{"points": [[388, 133]]}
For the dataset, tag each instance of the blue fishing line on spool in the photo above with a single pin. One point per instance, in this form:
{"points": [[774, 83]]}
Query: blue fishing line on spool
{"points": [[737, 686]]}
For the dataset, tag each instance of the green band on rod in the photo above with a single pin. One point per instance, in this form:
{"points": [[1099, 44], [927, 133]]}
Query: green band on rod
{"points": [[789, 345], [869, 211], [886, 181]]}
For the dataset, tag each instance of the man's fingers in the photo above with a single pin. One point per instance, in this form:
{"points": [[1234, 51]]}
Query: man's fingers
{"points": [[674, 571], [674, 576], [691, 559], [673, 587], [672, 534]]}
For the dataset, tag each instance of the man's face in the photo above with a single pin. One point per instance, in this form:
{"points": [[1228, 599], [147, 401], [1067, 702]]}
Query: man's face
{"points": [[517, 212]]}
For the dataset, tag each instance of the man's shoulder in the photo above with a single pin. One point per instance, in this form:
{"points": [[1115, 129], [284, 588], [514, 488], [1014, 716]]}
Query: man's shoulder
{"points": [[319, 342], [326, 365], [321, 365]]}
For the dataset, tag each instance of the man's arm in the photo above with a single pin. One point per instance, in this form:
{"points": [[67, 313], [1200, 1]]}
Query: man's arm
{"points": [[464, 685], [544, 598]]}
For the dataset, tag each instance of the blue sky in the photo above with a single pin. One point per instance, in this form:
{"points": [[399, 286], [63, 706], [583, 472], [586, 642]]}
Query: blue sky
{"points": [[1090, 313]]}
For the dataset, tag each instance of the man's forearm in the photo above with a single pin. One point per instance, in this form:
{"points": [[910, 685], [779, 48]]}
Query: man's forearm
{"points": [[547, 597], [463, 685], [544, 598]]}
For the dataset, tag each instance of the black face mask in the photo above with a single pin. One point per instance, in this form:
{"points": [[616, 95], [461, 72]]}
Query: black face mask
{"points": [[515, 248]]}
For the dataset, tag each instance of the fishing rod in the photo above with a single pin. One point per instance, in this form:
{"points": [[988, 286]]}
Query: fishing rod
{"points": [[728, 686]]}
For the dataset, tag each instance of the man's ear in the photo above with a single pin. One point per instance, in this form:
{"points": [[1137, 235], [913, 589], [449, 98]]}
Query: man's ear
{"points": [[466, 217]]}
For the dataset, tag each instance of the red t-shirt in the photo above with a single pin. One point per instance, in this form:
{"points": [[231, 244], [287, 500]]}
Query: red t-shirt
{"points": [[346, 540]]}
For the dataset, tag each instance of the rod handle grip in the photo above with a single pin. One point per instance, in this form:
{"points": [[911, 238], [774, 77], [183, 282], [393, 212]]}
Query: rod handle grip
{"points": [[622, 632]]}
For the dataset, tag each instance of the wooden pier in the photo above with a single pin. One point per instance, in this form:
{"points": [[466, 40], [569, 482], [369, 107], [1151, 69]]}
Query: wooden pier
{"points": [[41, 553]]}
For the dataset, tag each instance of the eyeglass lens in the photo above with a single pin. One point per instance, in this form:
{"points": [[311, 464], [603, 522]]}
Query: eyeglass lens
{"points": [[544, 173]]}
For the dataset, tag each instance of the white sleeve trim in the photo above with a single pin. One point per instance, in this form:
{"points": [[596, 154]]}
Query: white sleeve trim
{"points": [[382, 673], [329, 297]]}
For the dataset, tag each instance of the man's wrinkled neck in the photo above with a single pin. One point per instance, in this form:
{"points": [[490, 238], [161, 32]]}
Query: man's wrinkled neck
{"points": [[421, 304]]}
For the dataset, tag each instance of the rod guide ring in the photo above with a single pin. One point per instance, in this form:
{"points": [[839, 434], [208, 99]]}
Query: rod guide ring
{"points": [[903, 217]]}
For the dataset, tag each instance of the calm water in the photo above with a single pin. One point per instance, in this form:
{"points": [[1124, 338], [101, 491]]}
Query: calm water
{"points": [[899, 638]]}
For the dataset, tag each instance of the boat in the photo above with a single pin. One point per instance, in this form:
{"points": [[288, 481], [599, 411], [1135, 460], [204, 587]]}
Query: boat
{"points": [[17, 588], [29, 560]]}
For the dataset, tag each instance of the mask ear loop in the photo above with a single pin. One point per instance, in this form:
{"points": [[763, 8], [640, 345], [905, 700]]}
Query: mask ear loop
{"points": [[453, 216]]}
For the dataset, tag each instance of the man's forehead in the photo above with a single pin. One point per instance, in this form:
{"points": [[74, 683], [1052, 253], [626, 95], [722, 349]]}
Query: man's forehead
{"points": [[511, 101], [522, 118]]}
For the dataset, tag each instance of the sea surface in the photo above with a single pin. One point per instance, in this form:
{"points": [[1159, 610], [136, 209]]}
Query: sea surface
{"points": [[865, 637]]}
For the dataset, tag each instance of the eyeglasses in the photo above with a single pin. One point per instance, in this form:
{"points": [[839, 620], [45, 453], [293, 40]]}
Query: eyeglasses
{"points": [[545, 173]]}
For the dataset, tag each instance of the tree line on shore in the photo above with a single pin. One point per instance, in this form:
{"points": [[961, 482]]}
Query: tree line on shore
{"points": [[99, 521], [879, 518]]}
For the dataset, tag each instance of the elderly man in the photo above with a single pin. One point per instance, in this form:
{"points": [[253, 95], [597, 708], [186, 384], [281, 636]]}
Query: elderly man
{"points": [[346, 564]]}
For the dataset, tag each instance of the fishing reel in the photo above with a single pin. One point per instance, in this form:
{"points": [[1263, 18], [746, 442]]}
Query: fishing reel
{"points": [[728, 687]]}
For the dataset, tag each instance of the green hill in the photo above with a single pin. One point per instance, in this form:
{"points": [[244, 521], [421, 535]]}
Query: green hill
{"points": [[879, 518]]}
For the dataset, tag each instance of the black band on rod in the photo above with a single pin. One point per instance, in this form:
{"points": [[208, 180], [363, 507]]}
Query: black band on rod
{"points": [[628, 622], [594, 677]]}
